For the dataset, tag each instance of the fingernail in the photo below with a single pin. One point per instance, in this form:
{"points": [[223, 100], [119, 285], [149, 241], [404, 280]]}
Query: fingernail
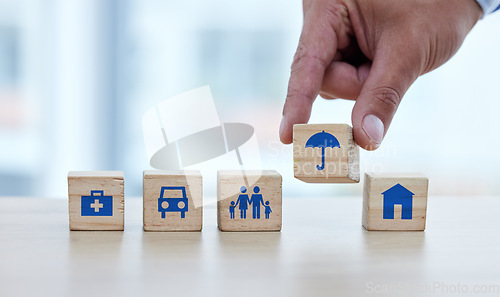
{"points": [[374, 128], [282, 125]]}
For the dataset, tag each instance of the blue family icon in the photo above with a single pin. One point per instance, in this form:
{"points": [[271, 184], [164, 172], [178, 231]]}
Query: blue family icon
{"points": [[97, 205], [322, 140], [173, 203], [398, 195], [243, 201]]}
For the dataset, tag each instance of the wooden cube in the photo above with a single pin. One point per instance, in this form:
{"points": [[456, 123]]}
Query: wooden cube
{"points": [[96, 200], [249, 200], [173, 200], [325, 153], [395, 202]]}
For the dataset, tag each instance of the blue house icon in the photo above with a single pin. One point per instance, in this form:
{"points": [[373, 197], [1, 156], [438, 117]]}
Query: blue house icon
{"points": [[398, 195]]}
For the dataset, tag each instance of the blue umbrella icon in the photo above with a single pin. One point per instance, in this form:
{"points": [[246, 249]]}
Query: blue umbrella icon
{"points": [[322, 140]]}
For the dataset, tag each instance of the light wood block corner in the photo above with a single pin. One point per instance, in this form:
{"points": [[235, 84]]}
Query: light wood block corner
{"points": [[96, 200], [395, 202], [249, 200], [325, 153], [173, 200]]}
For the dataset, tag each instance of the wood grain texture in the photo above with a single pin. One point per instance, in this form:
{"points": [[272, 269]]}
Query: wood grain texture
{"points": [[341, 164], [321, 251], [376, 184], [229, 183], [153, 180], [81, 183]]}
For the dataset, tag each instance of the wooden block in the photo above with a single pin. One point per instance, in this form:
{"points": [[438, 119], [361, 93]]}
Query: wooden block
{"points": [[395, 202], [244, 207], [325, 153], [173, 200], [96, 200]]}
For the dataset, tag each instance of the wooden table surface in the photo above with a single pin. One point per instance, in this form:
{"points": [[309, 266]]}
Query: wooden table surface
{"points": [[321, 251]]}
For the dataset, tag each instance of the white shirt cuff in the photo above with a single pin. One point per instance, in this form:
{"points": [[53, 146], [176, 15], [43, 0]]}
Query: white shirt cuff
{"points": [[488, 6]]}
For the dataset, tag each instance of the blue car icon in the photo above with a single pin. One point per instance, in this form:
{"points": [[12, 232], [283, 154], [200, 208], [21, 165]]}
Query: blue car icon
{"points": [[167, 202]]}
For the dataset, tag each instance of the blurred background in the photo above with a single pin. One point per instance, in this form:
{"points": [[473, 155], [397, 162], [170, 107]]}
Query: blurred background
{"points": [[77, 76]]}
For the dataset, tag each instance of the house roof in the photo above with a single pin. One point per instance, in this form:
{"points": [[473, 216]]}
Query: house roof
{"points": [[399, 190]]}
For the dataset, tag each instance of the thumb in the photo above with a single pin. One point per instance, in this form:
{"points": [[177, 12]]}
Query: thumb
{"points": [[387, 82]]}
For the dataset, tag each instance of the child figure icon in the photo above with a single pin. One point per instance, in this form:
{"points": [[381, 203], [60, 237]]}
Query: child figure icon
{"points": [[256, 201], [231, 209], [267, 210]]}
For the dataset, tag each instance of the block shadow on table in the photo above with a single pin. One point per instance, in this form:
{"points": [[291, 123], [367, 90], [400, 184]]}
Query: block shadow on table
{"points": [[171, 244], [93, 245], [393, 241], [400, 255], [236, 244]]}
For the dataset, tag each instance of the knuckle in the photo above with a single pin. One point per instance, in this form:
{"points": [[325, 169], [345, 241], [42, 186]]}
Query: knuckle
{"points": [[306, 56], [292, 92], [297, 94], [327, 18], [387, 98]]}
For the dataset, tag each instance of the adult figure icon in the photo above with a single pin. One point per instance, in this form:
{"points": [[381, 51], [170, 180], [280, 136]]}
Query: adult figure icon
{"points": [[243, 202], [256, 200]]}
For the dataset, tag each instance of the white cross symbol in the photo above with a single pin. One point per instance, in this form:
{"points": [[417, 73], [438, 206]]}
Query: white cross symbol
{"points": [[96, 205]]}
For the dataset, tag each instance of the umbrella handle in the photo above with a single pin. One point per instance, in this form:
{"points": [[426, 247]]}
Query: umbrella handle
{"points": [[322, 159]]}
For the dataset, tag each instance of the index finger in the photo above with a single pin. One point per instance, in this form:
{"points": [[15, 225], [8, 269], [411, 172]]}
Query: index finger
{"points": [[316, 49]]}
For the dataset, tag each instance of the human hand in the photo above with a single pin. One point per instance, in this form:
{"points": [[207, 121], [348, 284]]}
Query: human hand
{"points": [[371, 51]]}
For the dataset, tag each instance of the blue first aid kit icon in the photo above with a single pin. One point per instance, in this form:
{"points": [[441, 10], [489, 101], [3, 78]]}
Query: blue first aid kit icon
{"points": [[97, 204], [173, 204]]}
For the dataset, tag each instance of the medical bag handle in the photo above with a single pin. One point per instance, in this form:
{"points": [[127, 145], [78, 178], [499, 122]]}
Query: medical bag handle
{"points": [[93, 193]]}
